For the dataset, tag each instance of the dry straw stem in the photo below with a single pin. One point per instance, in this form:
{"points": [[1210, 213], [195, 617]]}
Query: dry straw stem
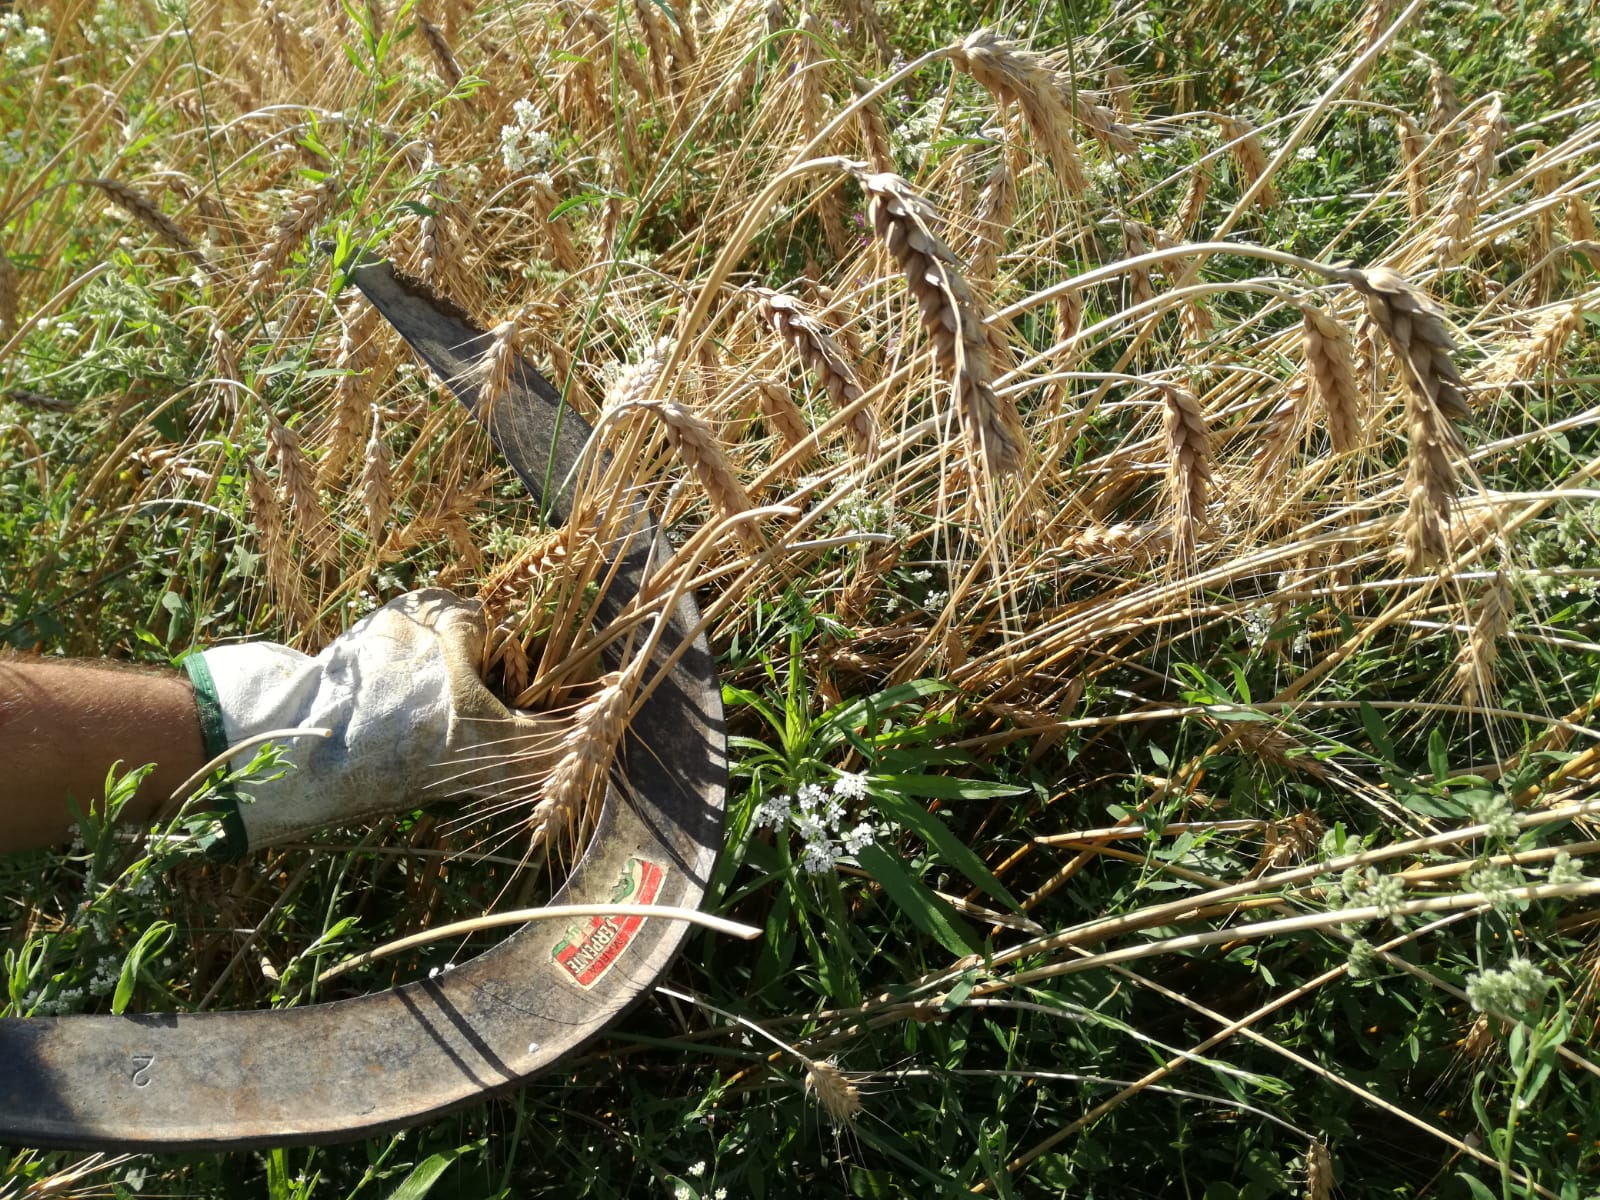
{"points": [[585, 756], [821, 354], [303, 215], [990, 425], [1249, 157], [1188, 467], [1475, 662], [1327, 351], [144, 210], [10, 297], [1017, 76], [1474, 170]]}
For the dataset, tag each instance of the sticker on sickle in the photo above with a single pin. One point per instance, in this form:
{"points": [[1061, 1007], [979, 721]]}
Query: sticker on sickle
{"points": [[589, 951]]}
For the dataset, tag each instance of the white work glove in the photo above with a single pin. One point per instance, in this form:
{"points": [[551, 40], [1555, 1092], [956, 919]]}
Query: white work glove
{"points": [[412, 722]]}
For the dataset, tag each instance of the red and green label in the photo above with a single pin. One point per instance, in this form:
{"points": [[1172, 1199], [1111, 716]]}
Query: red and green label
{"points": [[589, 950]]}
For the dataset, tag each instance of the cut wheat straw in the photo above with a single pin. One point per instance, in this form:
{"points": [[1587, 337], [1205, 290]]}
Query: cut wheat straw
{"points": [[903, 221]]}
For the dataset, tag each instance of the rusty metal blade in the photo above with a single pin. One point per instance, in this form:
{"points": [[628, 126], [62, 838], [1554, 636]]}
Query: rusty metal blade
{"points": [[330, 1072]]}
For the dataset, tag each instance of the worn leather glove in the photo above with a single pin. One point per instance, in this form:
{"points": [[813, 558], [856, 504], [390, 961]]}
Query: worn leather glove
{"points": [[412, 722]]}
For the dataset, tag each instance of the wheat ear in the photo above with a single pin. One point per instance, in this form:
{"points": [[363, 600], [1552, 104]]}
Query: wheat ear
{"points": [[1415, 329], [1319, 1169], [1542, 346], [1444, 106], [1013, 75], [1245, 146], [694, 442], [444, 58], [1474, 170], [1188, 467], [10, 297], [303, 215], [819, 352], [839, 1097], [352, 390], [266, 514], [903, 221], [1328, 362], [377, 488], [144, 210], [1480, 651], [1413, 154], [585, 758], [781, 414]]}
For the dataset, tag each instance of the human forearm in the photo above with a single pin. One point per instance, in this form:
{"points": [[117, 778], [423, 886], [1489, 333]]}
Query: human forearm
{"points": [[63, 725]]}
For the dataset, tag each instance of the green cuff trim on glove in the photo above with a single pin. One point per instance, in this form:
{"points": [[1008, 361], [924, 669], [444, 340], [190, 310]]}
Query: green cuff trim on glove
{"points": [[231, 841], [205, 699]]}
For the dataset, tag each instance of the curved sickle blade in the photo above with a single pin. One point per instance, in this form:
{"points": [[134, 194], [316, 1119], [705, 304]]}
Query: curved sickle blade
{"points": [[334, 1071]]}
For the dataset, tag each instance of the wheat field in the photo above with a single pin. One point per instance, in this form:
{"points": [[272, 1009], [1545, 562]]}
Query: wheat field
{"points": [[1136, 464]]}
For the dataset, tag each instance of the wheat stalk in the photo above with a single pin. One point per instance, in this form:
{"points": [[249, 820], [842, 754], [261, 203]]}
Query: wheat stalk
{"points": [[1474, 169], [989, 422], [1328, 363], [1013, 75], [1188, 467]]}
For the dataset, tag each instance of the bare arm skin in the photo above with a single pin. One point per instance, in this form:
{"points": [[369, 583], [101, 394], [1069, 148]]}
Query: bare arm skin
{"points": [[62, 725]]}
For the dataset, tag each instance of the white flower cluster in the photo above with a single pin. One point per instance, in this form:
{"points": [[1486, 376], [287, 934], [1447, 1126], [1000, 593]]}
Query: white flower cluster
{"points": [[819, 817], [19, 40], [522, 143]]}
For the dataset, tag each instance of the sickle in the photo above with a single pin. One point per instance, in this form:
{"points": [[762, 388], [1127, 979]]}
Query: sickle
{"points": [[330, 1072]]}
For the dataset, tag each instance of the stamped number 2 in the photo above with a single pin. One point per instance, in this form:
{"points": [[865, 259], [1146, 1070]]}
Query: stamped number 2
{"points": [[141, 1069]]}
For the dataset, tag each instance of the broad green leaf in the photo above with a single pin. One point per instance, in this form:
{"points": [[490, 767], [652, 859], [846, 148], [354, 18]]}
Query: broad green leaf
{"points": [[1376, 733], [426, 1173], [929, 913], [152, 942], [947, 787], [937, 834]]}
